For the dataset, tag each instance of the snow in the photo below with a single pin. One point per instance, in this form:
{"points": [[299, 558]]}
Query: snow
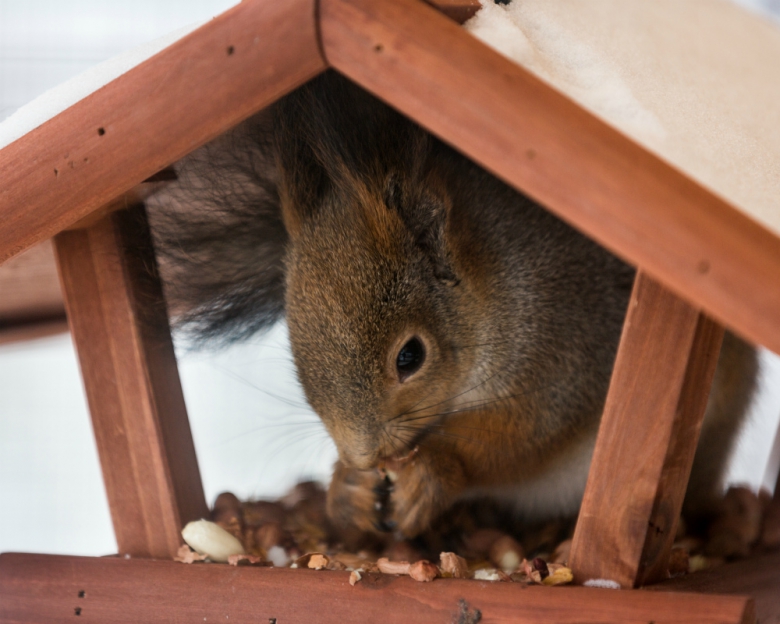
{"points": [[696, 82], [65, 95]]}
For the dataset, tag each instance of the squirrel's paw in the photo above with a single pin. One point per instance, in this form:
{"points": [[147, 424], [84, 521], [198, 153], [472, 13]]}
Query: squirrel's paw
{"points": [[405, 504], [356, 497]]}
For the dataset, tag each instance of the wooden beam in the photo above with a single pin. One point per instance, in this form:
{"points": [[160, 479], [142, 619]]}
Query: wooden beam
{"points": [[151, 116], [457, 10], [757, 577], [39, 328], [31, 304], [51, 588], [647, 439], [120, 328], [29, 287], [552, 149]]}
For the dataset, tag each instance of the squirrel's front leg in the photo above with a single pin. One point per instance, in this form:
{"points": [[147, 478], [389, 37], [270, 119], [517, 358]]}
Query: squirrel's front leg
{"points": [[403, 496]]}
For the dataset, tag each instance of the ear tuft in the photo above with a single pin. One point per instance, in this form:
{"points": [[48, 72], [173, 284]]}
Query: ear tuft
{"points": [[424, 213]]}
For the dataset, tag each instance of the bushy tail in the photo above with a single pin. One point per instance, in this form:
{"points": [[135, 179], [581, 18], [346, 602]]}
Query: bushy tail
{"points": [[220, 239]]}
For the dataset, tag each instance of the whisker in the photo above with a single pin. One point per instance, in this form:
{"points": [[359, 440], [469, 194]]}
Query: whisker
{"points": [[413, 411], [237, 377], [264, 426], [446, 434], [473, 405], [279, 449]]}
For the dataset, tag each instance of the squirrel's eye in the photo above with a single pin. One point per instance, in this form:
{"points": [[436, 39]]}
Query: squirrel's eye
{"points": [[410, 357]]}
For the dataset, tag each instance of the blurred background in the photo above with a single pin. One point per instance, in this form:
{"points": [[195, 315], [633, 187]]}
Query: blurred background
{"points": [[253, 431]]}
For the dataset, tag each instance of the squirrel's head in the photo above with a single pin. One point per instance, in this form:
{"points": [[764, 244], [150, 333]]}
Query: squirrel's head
{"points": [[373, 296]]}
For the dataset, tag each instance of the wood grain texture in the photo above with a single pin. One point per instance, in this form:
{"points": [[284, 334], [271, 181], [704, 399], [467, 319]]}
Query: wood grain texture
{"points": [[151, 116], [647, 439], [30, 288], [757, 577], [457, 10], [120, 329], [31, 304], [547, 146], [38, 588], [42, 328]]}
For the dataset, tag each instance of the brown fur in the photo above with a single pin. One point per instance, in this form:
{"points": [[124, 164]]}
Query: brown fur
{"points": [[389, 234]]}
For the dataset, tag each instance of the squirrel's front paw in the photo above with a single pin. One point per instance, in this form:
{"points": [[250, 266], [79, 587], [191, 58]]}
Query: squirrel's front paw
{"points": [[359, 498], [404, 500]]}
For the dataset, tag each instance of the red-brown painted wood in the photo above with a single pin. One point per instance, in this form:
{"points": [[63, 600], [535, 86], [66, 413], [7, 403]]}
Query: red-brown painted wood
{"points": [[48, 588], [151, 116], [756, 577], [458, 10], [647, 439], [120, 329]]}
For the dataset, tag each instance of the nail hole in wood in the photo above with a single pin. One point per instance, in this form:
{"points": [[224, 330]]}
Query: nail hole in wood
{"points": [[101, 131], [82, 594], [230, 50], [77, 610]]}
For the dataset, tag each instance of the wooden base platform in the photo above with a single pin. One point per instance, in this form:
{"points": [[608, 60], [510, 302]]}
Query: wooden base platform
{"points": [[51, 588], [757, 577]]}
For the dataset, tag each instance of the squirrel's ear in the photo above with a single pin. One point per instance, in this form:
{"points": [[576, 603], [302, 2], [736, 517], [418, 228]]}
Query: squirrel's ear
{"points": [[302, 178], [424, 208]]}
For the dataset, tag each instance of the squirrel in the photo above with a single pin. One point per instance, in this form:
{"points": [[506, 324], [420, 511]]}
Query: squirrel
{"points": [[455, 338]]}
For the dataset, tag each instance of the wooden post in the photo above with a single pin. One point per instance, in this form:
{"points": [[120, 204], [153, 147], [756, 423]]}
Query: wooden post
{"points": [[647, 439], [120, 328]]}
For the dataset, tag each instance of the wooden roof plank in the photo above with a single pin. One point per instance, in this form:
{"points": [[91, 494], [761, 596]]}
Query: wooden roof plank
{"points": [[151, 116]]}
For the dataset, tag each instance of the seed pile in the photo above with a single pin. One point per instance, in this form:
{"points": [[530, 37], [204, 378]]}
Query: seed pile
{"points": [[476, 540]]}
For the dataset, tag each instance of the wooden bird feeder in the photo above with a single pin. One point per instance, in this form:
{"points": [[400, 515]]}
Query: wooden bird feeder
{"points": [[703, 264]]}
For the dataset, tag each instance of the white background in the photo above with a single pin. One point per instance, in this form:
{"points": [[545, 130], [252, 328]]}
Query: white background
{"points": [[253, 432]]}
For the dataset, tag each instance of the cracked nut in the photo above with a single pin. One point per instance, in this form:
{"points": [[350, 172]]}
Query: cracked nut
{"points": [[423, 571], [452, 564]]}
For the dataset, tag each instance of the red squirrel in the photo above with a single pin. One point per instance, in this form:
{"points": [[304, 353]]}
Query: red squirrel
{"points": [[455, 338]]}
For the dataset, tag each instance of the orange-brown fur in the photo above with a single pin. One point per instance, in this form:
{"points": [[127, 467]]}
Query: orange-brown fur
{"points": [[388, 234]]}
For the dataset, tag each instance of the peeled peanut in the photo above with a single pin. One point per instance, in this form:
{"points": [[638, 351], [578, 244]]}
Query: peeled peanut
{"points": [[393, 567], [208, 538]]}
